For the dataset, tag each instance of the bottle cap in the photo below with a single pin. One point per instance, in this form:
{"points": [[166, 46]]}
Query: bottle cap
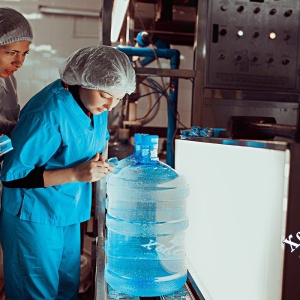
{"points": [[138, 138]]}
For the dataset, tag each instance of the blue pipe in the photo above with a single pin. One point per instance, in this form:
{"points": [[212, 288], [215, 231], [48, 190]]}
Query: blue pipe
{"points": [[172, 109], [174, 56], [143, 40]]}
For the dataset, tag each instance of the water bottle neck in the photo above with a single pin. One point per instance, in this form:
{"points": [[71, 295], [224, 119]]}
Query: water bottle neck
{"points": [[138, 140], [153, 154], [137, 149], [148, 154]]}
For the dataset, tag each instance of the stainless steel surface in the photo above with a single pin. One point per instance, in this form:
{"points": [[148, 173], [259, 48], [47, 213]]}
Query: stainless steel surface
{"points": [[182, 294], [217, 111], [249, 74], [105, 22], [270, 96], [165, 72], [199, 63], [100, 286], [253, 59], [185, 293], [275, 145]]}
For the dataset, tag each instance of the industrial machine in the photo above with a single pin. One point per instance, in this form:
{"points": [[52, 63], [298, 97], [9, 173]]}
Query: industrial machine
{"points": [[246, 63], [251, 61]]}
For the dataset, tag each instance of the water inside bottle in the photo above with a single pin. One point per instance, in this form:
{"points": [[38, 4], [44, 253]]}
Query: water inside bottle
{"points": [[146, 221]]}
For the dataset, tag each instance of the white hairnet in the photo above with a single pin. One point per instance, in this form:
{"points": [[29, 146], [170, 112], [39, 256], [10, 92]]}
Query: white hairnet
{"points": [[13, 26], [99, 68]]}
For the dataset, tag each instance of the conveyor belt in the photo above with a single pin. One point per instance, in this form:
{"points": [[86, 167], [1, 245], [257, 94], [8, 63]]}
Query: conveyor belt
{"points": [[105, 292], [183, 294]]}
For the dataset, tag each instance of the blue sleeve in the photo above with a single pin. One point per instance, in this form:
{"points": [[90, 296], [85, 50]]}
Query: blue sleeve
{"points": [[34, 143]]}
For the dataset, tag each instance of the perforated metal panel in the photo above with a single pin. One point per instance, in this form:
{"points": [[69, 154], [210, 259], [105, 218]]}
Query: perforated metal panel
{"points": [[253, 44]]}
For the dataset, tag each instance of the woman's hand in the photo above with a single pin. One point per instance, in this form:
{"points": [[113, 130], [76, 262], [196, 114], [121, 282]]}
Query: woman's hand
{"points": [[88, 171], [92, 170]]}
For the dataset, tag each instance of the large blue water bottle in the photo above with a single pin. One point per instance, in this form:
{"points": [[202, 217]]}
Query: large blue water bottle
{"points": [[146, 221], [137, 140]]}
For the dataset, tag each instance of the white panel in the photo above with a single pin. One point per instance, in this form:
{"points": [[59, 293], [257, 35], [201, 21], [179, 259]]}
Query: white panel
{"points": [[237, 220]]}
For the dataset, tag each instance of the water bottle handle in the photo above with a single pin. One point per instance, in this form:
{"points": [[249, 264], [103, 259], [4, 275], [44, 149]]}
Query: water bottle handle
{"points": [[113, 161]]}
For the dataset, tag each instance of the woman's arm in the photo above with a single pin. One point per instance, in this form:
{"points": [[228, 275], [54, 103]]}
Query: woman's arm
{"points": [[89, 171]]}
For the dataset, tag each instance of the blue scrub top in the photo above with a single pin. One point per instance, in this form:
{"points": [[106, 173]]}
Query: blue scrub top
{"points": [[53, 132]]}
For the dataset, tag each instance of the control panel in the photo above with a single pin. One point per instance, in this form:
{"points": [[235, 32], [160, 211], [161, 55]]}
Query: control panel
{"points": [[253, 44]]}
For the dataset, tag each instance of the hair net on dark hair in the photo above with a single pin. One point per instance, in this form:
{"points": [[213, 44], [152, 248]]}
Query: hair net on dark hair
{"points": [[13, 26], [99, 68]]}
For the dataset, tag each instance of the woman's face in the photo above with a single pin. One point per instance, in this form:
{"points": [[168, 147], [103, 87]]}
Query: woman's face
{"points": [[97, 101], [12, 57]]}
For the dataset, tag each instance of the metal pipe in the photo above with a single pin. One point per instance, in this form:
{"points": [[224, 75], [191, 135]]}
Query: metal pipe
{"points": [[174, 56]]}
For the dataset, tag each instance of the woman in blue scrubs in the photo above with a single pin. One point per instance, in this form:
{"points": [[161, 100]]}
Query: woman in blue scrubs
{"points": [[47, 176]]}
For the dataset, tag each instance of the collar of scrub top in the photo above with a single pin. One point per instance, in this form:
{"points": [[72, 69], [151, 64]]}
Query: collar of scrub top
{"points": [[73, 89]]}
